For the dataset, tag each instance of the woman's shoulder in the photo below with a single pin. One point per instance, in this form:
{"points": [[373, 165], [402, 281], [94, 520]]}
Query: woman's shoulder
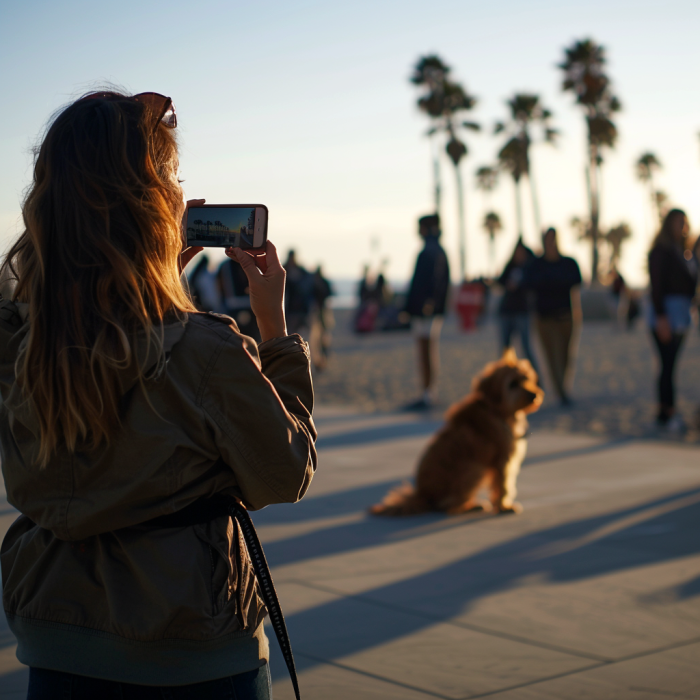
{"points": [[210, 334]]}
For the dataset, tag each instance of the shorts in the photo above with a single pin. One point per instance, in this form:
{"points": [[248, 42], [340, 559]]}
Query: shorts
{"points": [[427, 326]]}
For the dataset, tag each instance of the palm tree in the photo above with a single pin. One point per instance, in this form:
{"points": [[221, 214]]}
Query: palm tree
{"points": [[615, 237], [492, 225], [526, 110], [487, 178], [513, 158], [443, 102], [646, 166], [430, 72], [661, 202], [584, 75]]}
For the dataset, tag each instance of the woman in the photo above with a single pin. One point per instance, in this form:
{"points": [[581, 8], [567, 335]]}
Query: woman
{"points": [[514, 309], [121, 405], [556, 281], [673, 276]]}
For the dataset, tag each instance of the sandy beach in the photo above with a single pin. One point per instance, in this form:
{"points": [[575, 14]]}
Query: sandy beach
{"points": [[613, 390]]}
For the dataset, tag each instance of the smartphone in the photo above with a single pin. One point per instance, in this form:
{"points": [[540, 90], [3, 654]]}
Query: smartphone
{"points": [[223, 225]]}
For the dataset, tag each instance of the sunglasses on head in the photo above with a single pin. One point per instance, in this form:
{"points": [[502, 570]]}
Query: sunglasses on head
{"points": [[156, 103]]}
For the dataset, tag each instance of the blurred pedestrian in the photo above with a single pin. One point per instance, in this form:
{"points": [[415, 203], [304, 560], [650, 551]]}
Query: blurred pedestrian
{"points": [[322, 321], [204, 287], [366, 314], [556, 282], [235, 293], [426, 303], [514, 309], [298, 293], [673, 276]]}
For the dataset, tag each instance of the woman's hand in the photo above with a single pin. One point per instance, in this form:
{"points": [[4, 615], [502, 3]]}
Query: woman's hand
{"points": [[266, 278], [188, 252], [663, 329]]}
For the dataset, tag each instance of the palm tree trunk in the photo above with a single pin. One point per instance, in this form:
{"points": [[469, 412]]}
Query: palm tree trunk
{"points": [[595, 213], [535, 201], [518, 208], [462, 229], [436, 173]]}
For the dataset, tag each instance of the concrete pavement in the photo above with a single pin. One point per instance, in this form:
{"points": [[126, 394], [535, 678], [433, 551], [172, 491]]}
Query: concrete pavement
{"points": [[593, 592]]}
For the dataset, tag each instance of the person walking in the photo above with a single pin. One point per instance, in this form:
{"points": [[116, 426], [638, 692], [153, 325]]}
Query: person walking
{"points": [[514, 309], [673, 277], [127, 416], [426, 304], [556, 282]]}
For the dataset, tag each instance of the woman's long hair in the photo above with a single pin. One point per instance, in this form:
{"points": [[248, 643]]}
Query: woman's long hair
{"points": [[665, 236], [97, 264], [520, 245]]}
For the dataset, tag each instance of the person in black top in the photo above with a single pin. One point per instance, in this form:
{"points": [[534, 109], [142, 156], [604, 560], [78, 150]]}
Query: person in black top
{"points": [[514, 309], [426, 303], [556, 282], [673, 275], [298, 296]]}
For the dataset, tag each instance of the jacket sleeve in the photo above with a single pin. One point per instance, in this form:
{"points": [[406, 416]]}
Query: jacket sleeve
{"points": [[259, 404]]}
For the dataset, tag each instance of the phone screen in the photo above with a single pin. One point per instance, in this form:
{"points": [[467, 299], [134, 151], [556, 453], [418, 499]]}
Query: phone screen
{"points": [[238, 226]]}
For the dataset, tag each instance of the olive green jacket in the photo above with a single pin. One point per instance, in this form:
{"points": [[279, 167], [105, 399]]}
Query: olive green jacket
{"points": [[87, 588]]}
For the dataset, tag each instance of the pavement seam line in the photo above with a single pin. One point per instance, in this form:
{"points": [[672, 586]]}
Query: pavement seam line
{"points": [[456, 623], [375, 676], [630, 657], [534, 682]]}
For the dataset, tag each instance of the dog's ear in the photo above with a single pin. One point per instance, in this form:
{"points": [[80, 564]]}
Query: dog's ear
{"points": [[509, 357]]}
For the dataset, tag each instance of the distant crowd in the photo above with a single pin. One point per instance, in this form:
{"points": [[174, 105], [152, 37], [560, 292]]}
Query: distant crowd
{"points": [[306, 296], [545, 292]]}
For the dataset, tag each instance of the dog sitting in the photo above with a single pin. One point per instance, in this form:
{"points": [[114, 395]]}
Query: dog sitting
{"points": [[483, 442]]}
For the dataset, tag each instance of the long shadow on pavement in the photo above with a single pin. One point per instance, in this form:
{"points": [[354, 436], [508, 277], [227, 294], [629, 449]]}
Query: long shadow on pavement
{"points": [[582, 549]]}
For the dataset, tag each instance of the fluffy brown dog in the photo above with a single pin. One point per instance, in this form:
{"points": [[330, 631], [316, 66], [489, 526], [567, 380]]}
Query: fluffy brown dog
{"points": [[483, 441]]}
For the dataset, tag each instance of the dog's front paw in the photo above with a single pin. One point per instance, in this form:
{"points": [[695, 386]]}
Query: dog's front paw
{"points": [[514, 509]]}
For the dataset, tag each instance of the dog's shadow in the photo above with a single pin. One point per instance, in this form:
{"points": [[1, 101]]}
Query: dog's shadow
{"points": [[363, 532]]}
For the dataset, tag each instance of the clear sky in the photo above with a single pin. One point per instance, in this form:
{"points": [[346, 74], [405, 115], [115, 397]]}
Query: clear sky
{"points": [[309, 109]]}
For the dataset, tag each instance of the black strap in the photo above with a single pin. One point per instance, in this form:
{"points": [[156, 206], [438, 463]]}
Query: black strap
{"points": [[262, 571], [205, 510]]}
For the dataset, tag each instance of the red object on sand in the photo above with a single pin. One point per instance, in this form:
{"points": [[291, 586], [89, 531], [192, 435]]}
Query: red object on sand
{"points": [[469, 303]]}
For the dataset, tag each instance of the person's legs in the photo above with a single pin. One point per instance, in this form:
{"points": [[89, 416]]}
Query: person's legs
{"points": [[567, 353], [49, 685], [254, 685], [668, 354], [507, 327], [54, 685], [547, 330], [522, 323], [427, 332], [424, 363]]}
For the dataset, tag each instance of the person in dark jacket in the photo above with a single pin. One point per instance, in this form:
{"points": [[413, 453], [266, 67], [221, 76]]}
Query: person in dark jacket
{"points": [[514, 309], [426, 304], [298, 295], [556, 280], [673, 274]]}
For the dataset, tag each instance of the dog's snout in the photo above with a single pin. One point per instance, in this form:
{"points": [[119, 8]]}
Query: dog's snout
{"points": [[531, 395]]}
